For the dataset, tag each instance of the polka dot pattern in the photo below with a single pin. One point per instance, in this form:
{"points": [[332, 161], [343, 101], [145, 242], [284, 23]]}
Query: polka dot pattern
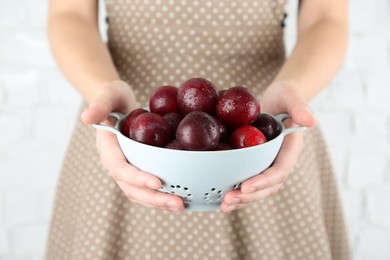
{"points": [[158, 42], [163, 42]]}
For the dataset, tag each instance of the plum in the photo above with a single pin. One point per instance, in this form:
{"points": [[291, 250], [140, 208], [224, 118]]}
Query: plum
{"points": [[197, 94], [198, 131], [152, 129], [164, 100], [267, 125], [238, 106], [125, 128], [246, 136]]}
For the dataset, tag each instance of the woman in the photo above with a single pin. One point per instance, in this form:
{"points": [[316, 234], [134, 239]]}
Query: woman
{"points": [[121, 215]]}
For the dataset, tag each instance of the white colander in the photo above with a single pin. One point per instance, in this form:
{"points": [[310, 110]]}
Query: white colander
{"points": [[201, 178]]}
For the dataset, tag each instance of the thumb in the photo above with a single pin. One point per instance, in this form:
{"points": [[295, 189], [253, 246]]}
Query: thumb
{"points": [[300, 112], [99, 109]]}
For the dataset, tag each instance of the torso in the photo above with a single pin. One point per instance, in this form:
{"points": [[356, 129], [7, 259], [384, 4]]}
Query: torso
{"points": [[231, 42]]}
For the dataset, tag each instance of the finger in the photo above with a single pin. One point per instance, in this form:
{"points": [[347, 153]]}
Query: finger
{"points": [[276, 174], [228, 208], [229, 203], [115, 162], [237, 201], [301, 115], [152, 198], [117, 96], [230, 196], [280, 169], [294, 103], [284, 98], [236, 197], [258, 195], [100, 108], [232, 201]]}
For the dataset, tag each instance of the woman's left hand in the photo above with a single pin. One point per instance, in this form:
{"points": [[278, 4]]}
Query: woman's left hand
{"points": [[280, 97]]}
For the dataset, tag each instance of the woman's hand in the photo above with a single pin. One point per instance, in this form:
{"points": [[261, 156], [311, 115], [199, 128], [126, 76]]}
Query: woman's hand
{"points": [[280, 97], [140, 187]]}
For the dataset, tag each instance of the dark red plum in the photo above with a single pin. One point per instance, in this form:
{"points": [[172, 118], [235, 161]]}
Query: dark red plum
{"points": [[197, 94], [174, 145], [198, 131], [238, 106], [150, 128], [125, 128], [267, 125], [223, 147], [164, 100], [246, 136], [222, 129], [173, 120]]}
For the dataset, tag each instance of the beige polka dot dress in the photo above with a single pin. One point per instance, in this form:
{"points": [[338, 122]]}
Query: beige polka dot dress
{"points": [[230, 42]]}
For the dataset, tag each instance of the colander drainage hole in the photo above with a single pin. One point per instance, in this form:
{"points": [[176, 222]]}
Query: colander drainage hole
{"points": [[178, 190], [214, 196], [188, 197], [237, 186]]}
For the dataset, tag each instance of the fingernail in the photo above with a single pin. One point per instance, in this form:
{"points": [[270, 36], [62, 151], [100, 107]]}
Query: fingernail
{"points": [[236, 201], [230, 208], [250, 190], [172, 204], [174, 209], [83, 114], [152, 185]]}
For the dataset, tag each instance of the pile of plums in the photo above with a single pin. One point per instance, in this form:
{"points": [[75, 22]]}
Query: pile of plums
{"points": [[198, 117]]}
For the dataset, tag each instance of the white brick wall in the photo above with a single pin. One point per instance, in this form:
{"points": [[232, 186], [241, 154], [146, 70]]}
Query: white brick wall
{"points": [[354, 113]]}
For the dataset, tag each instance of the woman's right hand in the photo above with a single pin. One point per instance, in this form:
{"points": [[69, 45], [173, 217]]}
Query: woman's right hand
{"points": [[140, 187]]}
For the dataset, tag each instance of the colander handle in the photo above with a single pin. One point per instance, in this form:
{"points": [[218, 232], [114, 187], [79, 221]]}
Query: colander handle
{"points": [[290, 130], [114, 130]]}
